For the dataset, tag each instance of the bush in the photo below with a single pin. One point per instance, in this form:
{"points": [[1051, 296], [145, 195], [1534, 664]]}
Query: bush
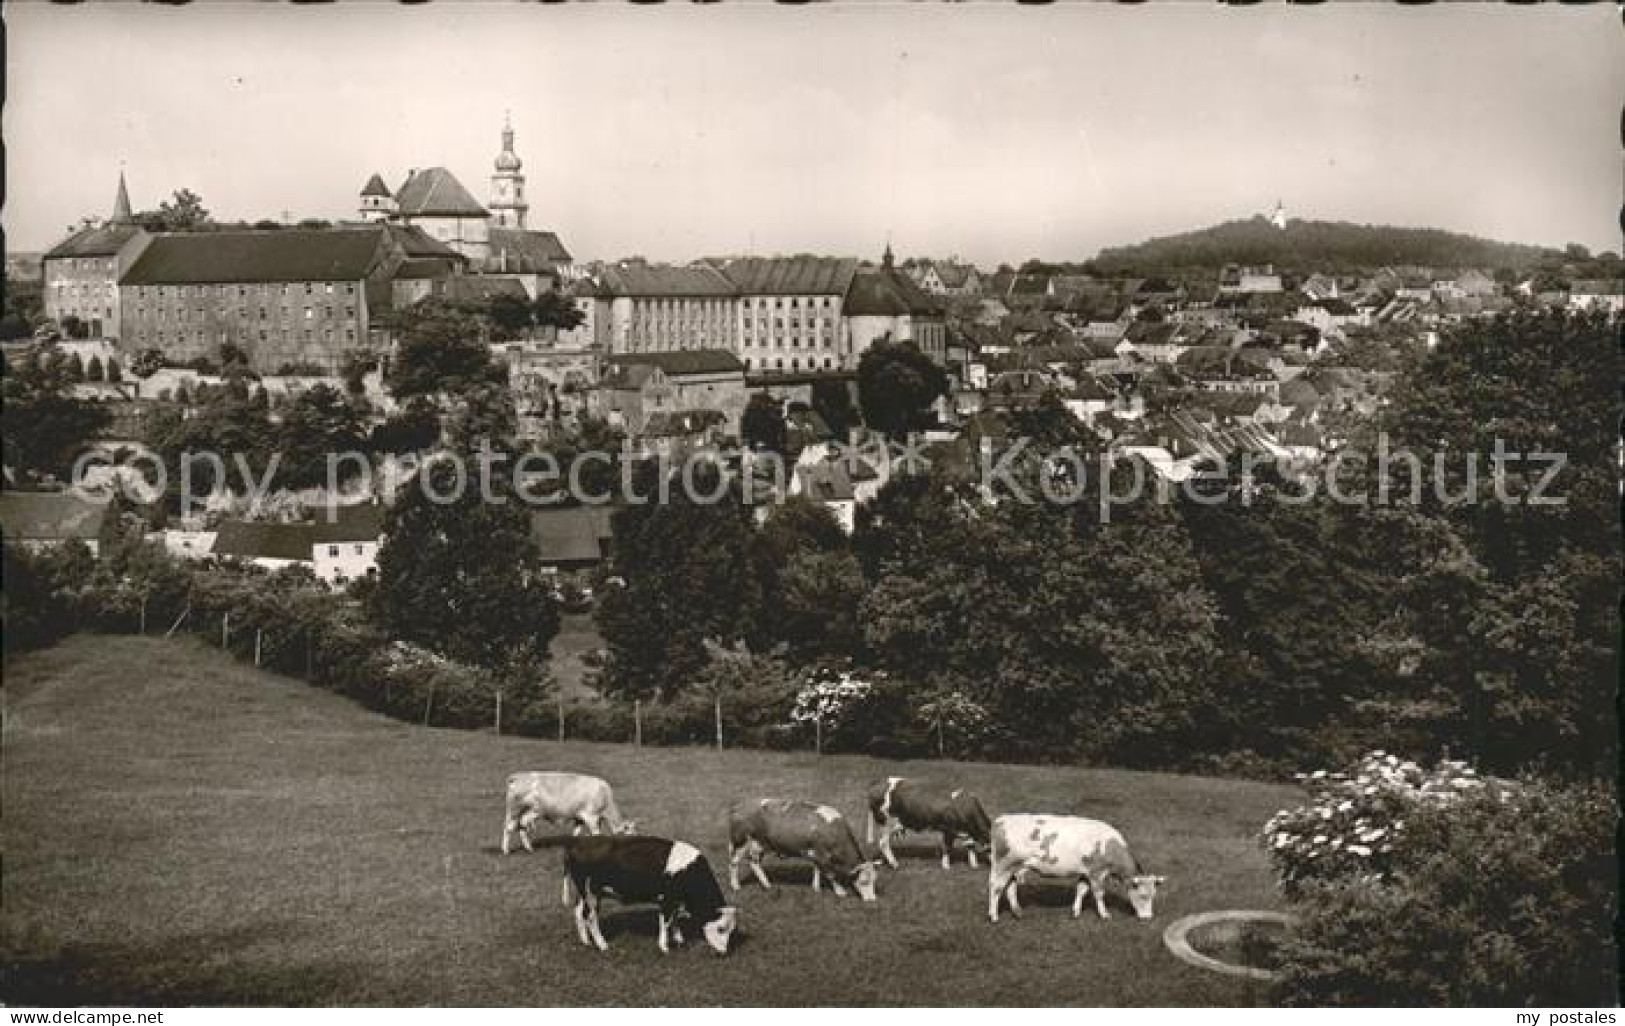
{"points": [[1494, 897], [1355, 823]]}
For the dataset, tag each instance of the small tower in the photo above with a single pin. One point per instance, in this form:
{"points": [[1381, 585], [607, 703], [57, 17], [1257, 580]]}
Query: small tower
{"points": [[376, 202], [1278, 219], [508, 205], [121, 203]]}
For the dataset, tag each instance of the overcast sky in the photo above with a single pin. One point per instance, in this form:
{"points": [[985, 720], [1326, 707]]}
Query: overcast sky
{"points": [[993, 132]]}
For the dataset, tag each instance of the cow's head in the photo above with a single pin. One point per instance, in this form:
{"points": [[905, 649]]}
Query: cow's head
{"points": [[629, 826], [719, 930], [863, 881], [1142, 893]]}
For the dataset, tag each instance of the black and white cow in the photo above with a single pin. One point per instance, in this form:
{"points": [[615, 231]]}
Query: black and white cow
{"points": [[794, 829], [896, 804], [1067, 848], [646, 870], [583, 802]]}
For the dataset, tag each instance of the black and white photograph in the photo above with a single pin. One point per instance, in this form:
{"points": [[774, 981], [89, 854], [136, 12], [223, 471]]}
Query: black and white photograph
{"points": [[906, 505]]}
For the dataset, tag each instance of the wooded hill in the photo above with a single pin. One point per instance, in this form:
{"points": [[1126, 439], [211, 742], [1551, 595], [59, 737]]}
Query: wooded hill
{"points": [[1338, 246]]}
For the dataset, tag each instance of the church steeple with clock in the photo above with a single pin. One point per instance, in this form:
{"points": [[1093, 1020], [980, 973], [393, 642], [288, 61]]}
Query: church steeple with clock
{"points": [[508, 205]]}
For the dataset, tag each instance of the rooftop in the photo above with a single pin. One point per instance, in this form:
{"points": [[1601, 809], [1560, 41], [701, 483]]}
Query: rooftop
{"points": [[289, 254]]}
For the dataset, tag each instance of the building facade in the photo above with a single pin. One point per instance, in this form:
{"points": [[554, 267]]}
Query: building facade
{"points": [[664, 309], [638, 388], [288, 297], [790, 312], [885, 304], [81, 274]]}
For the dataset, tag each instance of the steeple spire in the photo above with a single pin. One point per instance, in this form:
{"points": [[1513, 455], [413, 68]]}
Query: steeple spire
{"points": [[121, 202]]}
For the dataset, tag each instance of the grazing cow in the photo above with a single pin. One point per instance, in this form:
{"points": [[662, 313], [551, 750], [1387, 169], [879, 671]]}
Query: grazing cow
{"points": [[574, 798], [896, 804], [671, 874], [794, 829], [1069, 848]]}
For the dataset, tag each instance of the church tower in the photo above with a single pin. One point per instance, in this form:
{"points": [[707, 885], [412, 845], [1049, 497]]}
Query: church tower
{"points": [[1278, 219], [508, 205], [376, 202], [121, 203]]}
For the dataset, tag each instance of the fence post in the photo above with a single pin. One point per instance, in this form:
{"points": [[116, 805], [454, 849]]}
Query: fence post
{"points": [[428, 703], [225, 629], [143, 612], [258, 635], [719, 721], [178, 621], [499, 710], [561, 714], [939, 737], [637, 722], [818, 733], [310, 658]]}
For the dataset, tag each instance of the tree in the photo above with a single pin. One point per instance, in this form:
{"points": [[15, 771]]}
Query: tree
{"points": [[441, 352], [463, 577], [114, 374], [42, 426], [896, 386], [320, 421], [94, 370], [75, 368], [762, 426], [832, 400], [183, 212], [691, 573], [413, 428], [147, 362]]}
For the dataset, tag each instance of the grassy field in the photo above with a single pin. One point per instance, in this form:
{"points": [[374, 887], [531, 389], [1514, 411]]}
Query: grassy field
{"points": [[181, 829]]}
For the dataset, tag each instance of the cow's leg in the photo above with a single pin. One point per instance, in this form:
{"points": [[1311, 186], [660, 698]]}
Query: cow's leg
{"points": [[947, 849], [592, 925], [756, 868], [526, 821], [508, 825], [997, 883], [816, 879], [970, 853], [1077, 900], [734, 855], [1098, 885], [1014, 894], [665, 948], [837, 886], [580, 911], [886, 833]]}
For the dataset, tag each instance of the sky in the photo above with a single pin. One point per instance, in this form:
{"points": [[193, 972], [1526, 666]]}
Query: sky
{"points": [[990, 132]]}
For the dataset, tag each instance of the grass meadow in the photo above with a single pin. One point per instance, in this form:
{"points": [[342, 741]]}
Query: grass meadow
{"points": [[180, 829]]}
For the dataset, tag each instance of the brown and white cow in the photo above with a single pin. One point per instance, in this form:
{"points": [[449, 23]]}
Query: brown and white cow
{"points": [[897, 804], [1067, 848], [671, 874], [795, 829], [586, 803]]}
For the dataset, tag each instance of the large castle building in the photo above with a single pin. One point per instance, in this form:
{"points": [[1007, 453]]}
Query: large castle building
{"points": [[495, 236]]}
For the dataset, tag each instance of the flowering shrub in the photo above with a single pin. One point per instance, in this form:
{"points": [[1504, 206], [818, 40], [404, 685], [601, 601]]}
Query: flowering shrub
{"points": [[829, 698], [952, 715], [1355, 823]]}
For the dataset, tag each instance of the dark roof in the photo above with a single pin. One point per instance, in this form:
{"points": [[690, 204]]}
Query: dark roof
{"points": [[664, 280], [436, 192], [681, 423], [575, 534], [791, 276], [251, 539], [422, 269], [415, 242], [516, 249], [479, 287], [1029, 285], [375, 186], [104, 241], [886, 292], [51, 516], [360, 522], [682, 361], [289, 254]]}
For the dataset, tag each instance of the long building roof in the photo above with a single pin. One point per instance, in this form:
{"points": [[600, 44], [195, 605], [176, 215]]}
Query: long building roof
{"points": [[665, 280], [106, 240], [289, 254], [436, 192], [791, 276]]}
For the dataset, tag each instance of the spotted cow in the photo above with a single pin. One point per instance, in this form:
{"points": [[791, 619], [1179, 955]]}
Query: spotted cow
{"points": [[673, 875], [794, 829], [897, 804], [1067, 848]]}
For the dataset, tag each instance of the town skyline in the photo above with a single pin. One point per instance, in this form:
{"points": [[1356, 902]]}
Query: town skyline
{"points": [[901, 130]]}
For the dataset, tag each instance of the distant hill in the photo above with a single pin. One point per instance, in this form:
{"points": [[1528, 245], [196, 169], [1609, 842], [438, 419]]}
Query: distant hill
{"points": [[1320, 245]]}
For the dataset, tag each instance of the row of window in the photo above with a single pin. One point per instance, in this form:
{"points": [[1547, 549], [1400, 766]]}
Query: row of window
{"points": [[795, 364], [198, 313], [309, 288], [795, 342], [85, 264], [161, 338], [796, 302]]}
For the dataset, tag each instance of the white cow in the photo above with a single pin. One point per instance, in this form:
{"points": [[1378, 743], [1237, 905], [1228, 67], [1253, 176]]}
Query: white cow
{"points": [[587, 803], [1067, 848]]}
